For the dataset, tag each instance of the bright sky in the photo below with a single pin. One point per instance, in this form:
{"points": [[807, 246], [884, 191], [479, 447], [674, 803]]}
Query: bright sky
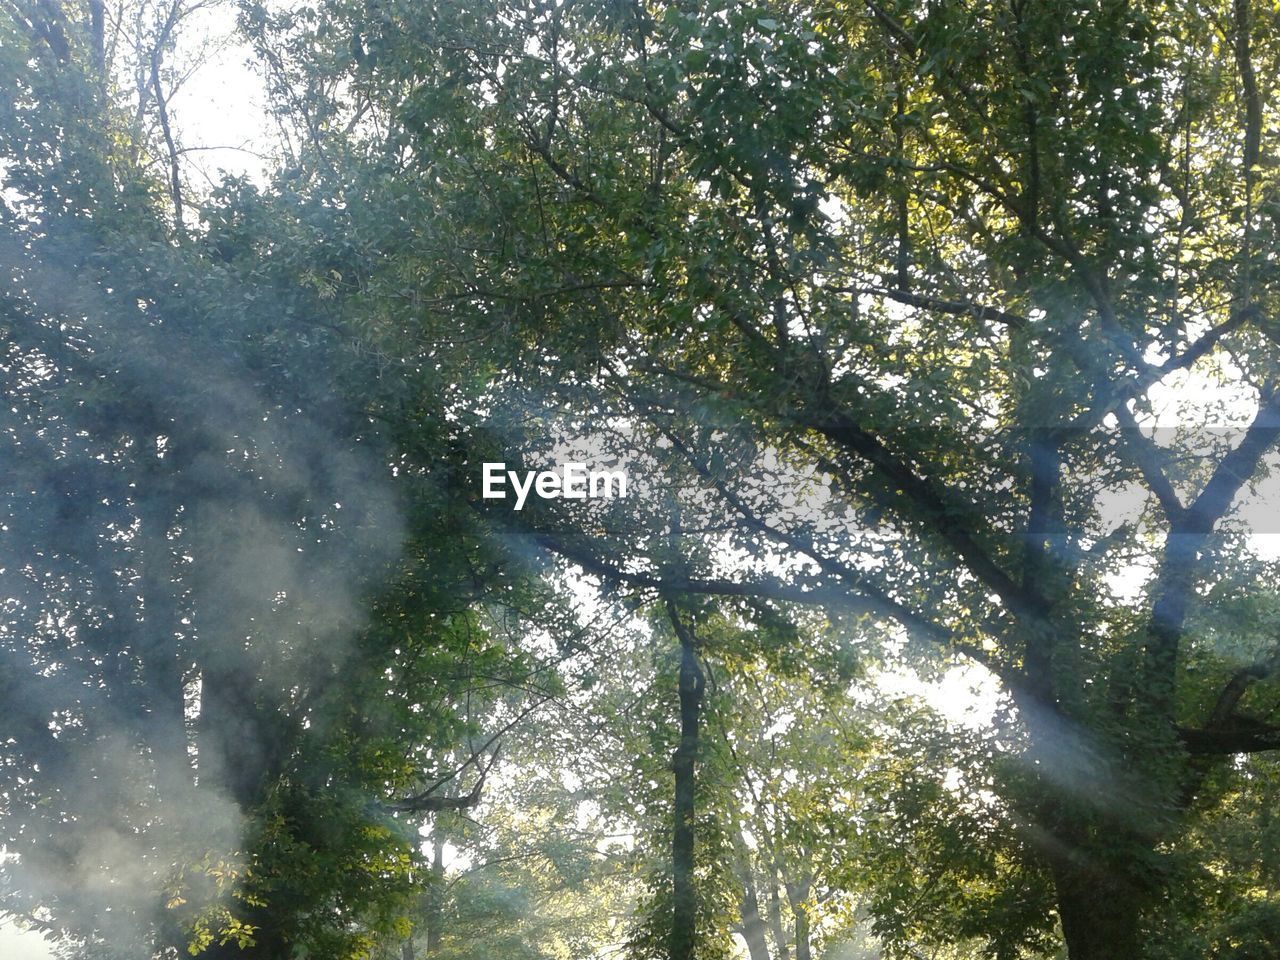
{"points": [[219, 112], [18, 944]]}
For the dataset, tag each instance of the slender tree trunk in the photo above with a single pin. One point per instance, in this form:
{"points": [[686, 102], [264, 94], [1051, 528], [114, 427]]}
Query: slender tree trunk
{"points": [[171, 147], [97, 36], [435, 896], [165, 673], [775, 919], [797, 895], [153, 80], [753, 928], [902, 207], [685, 901]]}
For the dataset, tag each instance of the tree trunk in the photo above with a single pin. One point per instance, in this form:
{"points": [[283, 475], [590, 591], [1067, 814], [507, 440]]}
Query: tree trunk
{"points": [[1099, 908], [797, 895], [97, 36], [753, 929], [1100, 859], [435, 896], [164, 664], [234, 752], [175, 167], [685, 903], [775, 918], [1099, 916]]}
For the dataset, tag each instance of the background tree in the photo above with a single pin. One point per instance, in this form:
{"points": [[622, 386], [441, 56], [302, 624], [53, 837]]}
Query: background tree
{"points": [[243, 635]]}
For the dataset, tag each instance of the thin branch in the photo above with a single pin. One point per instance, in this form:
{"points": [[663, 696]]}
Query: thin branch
{"points": [[429, 803], [427, 799]]}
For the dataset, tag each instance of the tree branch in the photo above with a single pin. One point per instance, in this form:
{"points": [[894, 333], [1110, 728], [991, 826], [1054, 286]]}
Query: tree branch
{"points": [[832, 596], [1147, 456], [1224, 742], [428, 802], [940, 511], [958, 308], [1225, 706], [1237, 467], [895, 29]]}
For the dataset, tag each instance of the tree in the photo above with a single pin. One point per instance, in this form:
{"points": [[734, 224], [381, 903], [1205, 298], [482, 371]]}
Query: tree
{"points": [[243, 634], [923, 268], [876, 302]]}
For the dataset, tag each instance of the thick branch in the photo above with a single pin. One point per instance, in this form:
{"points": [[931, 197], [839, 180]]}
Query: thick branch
{"points": [[831, 596], [1206, 342], [45, 22], [1224, 707], [1187, 537], [957, 308], [1147, 456], [894, 28], [936, 507], [1231, 741], [857, 582], [1237, 467]]}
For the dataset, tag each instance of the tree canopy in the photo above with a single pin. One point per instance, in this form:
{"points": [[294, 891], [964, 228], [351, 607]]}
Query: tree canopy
{"points": [[937, 342]]}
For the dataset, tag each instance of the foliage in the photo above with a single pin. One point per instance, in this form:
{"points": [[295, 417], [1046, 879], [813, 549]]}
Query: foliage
{"points": [[879, 304]]}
